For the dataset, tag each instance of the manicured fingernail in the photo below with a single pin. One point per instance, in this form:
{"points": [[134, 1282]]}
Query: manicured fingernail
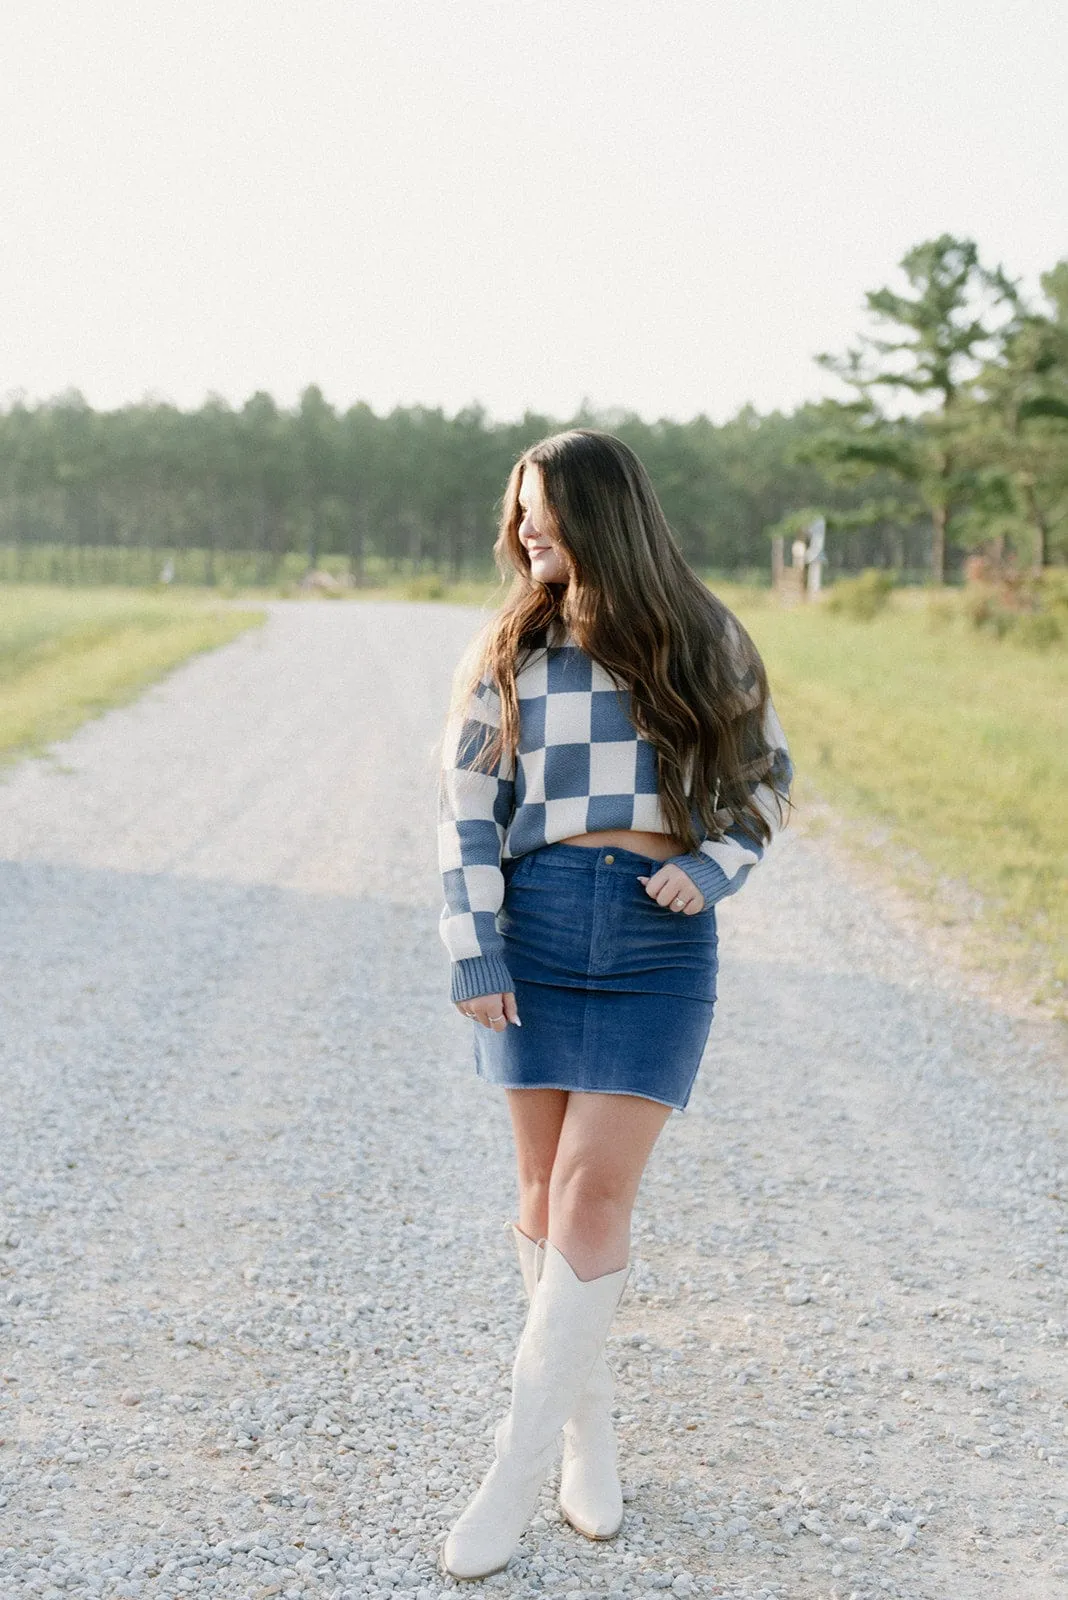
{"points": [[641, 879], [518, 1023]]}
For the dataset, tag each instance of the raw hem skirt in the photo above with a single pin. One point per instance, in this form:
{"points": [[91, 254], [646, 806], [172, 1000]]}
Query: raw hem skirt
{"points": [[615, 993]]}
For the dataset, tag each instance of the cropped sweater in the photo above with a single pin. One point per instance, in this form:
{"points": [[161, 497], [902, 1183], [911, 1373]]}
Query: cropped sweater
{"points": [[581, 766]]}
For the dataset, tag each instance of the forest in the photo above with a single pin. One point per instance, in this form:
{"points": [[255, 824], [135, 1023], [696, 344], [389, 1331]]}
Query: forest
{"points": [[952, 438]]}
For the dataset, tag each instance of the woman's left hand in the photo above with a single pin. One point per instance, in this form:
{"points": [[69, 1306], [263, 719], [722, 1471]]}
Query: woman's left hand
{"points": [[670, 886]]}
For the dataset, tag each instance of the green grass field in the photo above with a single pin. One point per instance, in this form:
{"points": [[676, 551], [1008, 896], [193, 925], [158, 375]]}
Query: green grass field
{"points": [[955, 741], [68, 654]]}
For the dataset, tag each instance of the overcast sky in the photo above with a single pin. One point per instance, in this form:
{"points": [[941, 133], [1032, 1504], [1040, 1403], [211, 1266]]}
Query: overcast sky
{"points": [[665, 207]]}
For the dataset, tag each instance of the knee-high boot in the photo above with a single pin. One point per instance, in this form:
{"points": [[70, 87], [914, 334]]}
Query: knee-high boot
{"points": [[567, 1324], [591, 1497]]}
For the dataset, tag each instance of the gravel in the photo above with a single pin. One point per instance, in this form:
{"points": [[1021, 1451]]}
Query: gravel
{"points": [[257, 1308]]}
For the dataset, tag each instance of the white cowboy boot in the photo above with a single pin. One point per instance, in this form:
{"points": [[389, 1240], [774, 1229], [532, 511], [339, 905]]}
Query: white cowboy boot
{"points": [[591, 1497], [567, 1324]]}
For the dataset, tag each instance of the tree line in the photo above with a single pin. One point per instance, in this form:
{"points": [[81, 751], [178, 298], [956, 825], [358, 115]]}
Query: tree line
{"points": [[978, 457]]}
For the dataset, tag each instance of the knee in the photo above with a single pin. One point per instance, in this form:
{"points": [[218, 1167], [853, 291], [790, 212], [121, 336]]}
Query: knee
{"points": [[534, 1172], [589, 1191]]}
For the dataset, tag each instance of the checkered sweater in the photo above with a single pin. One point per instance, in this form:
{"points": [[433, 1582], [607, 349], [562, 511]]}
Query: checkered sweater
{"points": [[581, 766]]}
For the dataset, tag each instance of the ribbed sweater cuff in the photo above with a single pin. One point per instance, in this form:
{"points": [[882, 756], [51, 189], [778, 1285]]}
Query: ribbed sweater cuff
{"points": [[707, 874], [480, 975]]}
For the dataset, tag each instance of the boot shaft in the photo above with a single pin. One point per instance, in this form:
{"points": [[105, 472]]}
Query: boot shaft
{"points": [[567, 1325]]}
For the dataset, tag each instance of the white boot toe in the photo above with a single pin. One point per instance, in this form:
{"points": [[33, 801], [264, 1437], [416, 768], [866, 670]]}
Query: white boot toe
{"points": [[486, 1535], [591, 1497]]}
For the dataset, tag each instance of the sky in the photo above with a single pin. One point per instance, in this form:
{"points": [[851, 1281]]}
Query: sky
{"points": [[665, 208]]}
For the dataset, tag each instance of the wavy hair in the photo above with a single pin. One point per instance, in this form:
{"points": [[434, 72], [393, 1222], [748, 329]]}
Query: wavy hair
{"points": [[697, 686]]}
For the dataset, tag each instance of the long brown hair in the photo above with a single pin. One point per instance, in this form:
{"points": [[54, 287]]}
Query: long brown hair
{"points": [[698, 690]]}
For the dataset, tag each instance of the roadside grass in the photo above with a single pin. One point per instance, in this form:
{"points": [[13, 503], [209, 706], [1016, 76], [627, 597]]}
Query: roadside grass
{"points": [[955, 745], [230, 574], [485, 592], [68, 654], [944, 749]]}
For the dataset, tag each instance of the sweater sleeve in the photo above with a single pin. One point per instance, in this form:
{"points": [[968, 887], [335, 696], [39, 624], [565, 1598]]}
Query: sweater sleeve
{"points": [[474, 810], [725, 859]]}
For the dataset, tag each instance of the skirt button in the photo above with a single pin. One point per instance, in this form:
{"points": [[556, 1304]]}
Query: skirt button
{"points": [[608, 860]]}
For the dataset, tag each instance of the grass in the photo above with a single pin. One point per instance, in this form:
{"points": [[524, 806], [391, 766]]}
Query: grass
{"points": [[68, 654], [951, 742], [228, 573], [955, 743]]}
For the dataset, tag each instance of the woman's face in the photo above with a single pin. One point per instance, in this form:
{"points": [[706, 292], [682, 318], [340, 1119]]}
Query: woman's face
{"points": [[548, 564]]}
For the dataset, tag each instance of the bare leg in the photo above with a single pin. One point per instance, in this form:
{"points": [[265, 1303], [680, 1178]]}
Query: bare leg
{"points": [[537, 1117], [603, 1146]]}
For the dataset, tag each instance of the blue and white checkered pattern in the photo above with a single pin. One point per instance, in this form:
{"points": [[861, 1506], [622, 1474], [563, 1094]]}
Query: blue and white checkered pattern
{"points": [[581, 766]]}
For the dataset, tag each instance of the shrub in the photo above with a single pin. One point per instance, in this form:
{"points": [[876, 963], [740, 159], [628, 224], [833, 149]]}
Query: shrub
{"points": [[1029, 608], [1053, 591], [940, 613], [427, 586], [1038, 631], [986, 608], [862, 597]]}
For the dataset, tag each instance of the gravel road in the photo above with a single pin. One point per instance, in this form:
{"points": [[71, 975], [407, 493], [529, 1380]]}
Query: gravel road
{"points": [[257, 1306]]}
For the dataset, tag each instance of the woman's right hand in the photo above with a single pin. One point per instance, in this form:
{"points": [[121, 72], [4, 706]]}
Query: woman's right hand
{"points": [[494, 1011]]}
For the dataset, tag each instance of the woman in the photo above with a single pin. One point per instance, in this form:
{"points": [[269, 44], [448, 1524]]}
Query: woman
{"points": [[612, 768]]}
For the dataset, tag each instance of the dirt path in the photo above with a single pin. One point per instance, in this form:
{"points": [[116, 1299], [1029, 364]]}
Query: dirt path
{"points": [[256, 1306]]}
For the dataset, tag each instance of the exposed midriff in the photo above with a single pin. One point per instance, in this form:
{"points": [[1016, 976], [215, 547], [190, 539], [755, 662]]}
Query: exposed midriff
{"points": [[658, 846]]}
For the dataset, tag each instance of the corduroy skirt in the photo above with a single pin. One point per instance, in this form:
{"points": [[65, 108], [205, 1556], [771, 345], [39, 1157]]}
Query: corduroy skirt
{"points": [[615, 993]]}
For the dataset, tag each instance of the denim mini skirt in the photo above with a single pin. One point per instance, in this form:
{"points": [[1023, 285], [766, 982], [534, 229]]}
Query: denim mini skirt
{"points": [[615, 993]]}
